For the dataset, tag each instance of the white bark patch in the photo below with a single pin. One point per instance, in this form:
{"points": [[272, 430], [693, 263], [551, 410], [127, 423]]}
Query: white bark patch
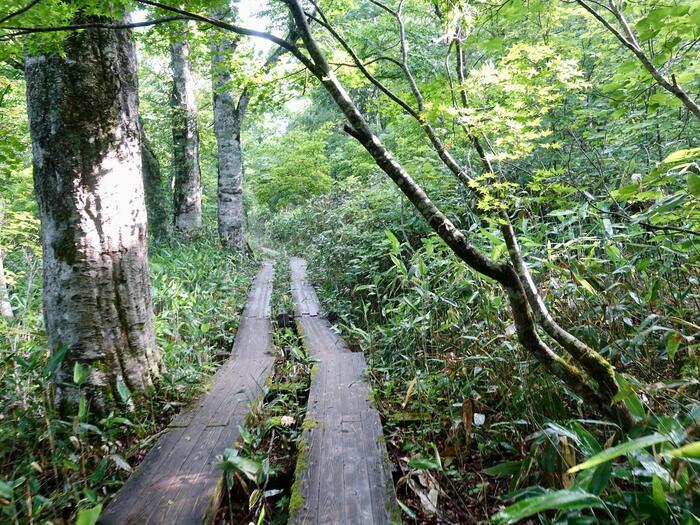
{"points": [[188, 187], [83, 113]]}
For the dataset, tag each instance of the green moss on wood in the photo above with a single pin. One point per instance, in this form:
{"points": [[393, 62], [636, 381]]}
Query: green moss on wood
{"points": [[296, 498], [309, 424]]}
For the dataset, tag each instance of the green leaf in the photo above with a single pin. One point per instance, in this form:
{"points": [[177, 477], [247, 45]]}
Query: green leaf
{"points": [[246, 466], [395, 245], [562, 500], [658, 495], [629, 397], [692, 450], [89, 516], [56, 359], [681, 155], [600, 479], [123, 391], [673, 342], [587, 286], [694, 184], [619, 450], [589, 444], [406, 509], [80, 373], [245, 434], [82, 407], [507, 468], [423, 463]]}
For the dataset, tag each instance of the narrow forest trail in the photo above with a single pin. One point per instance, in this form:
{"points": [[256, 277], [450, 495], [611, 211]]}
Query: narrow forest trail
{"points": [[343, 472], [178, 482]]}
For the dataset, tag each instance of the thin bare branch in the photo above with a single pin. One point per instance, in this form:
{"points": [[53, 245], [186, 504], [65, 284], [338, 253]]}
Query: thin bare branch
{"points": [[20, 31], [19, 11]]}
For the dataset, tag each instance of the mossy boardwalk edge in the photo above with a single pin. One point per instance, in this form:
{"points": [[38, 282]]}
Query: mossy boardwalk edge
{"points": [[343, 473]]}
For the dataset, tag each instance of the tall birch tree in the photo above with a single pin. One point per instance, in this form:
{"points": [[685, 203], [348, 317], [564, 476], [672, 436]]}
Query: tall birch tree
{"points": [[187, 214], [86, 143]]}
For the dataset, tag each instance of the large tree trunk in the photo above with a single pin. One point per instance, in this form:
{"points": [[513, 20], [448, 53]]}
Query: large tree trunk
{"points": [[228, 117], [86, 141], [155, 196], [5, 306], [188, 184]]}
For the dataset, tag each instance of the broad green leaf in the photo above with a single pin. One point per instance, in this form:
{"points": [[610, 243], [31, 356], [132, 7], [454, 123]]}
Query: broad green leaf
{"points": [[123, 390], [80, 373], [56, 359], [681, 155], [562, 500], [89, 516], [246, 466], [692, 450], [694, 184], [658, 494], [600, 478], [619, 450], [395, 245], [673, 342], [423, 463], [629, 397], [507, 468]]}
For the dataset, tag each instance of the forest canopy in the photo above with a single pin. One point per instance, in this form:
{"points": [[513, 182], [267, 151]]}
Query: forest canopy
{"points": [[498, 202]]}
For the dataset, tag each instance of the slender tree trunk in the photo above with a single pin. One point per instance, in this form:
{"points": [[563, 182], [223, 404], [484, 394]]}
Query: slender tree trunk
{"points": [[228, 117], [155, 196], [5, 306], [187, 213], [86, 141]]}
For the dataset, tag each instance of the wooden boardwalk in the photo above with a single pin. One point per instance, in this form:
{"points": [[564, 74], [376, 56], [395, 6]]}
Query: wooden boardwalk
{"points": [[177, 482], [343, 471]]}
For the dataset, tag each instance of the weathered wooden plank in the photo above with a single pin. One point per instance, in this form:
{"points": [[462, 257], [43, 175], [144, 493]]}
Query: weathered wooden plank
{"points": [[344, 476], [178, 482], [355, 472], [329, 456]]}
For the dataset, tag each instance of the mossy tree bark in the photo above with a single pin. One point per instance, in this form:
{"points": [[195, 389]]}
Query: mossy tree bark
{"points": [[158, 224], [229, 114], [228, 117], [86, 142], [187, 202]]}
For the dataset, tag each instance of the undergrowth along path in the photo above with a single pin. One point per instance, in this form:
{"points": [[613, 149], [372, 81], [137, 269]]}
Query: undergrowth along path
{"points": [[343, 473], [178, 481]]}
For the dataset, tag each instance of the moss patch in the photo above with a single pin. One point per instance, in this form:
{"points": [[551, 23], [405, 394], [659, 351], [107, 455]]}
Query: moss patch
{"points": [[296, 499], [309, 424]]}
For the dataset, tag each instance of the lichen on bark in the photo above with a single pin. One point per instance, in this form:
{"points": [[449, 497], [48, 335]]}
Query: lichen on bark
{"points": [[228, 117], [86, 143], [187, 192]]}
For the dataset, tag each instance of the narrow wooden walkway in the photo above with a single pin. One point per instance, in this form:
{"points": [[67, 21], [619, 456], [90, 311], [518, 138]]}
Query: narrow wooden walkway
{"points": [[343, 471], [178, 482]]}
